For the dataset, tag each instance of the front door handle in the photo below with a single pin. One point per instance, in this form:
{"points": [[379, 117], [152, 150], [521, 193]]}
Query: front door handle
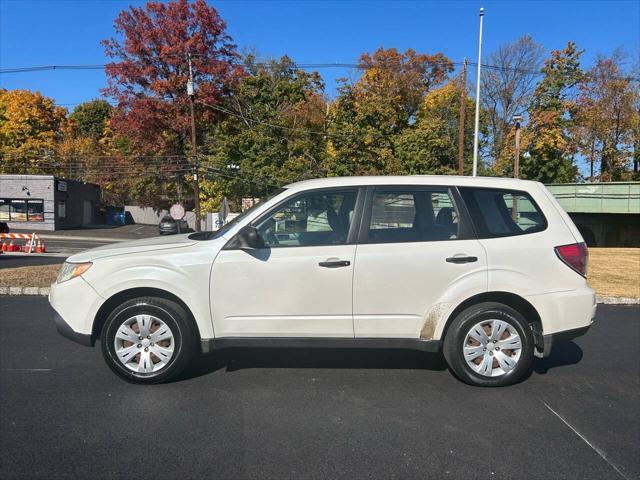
{"points": [[462, 259], [335, 263]]}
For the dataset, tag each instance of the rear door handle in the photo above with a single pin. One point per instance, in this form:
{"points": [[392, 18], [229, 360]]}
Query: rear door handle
{"points": [[335, 263], [462, 259]]}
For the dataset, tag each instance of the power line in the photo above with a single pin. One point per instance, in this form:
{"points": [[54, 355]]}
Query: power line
{"points": [[301, 66], [103, 157], [234, 176], [71, 167], [293, 129]]}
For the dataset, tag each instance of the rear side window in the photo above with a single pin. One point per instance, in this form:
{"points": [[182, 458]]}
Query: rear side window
{"points": [[502, 213], [419, 215]]}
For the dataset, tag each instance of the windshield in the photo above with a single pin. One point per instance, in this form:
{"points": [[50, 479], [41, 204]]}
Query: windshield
{"points": [[227, 226]]}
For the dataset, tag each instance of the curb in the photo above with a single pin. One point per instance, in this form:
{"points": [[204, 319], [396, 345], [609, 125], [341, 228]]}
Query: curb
{"points": [[617, 300], [43, 291]]}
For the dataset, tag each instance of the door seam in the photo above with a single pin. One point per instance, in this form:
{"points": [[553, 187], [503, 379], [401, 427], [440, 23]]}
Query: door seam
{"points": [[353, 289]]}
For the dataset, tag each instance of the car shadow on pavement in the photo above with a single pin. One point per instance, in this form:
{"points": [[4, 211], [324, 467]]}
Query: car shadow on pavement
{"points": [[232, 359], [562, 354]]}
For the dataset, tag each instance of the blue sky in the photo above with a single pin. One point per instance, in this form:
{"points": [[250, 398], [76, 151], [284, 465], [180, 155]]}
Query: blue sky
{"points": [[69, 32]]}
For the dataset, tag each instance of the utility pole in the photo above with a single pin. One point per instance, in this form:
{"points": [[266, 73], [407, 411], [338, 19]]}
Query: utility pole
{"points": [[477, 126], [516, 167], [516, 160], [463, 101], [194, 146]]}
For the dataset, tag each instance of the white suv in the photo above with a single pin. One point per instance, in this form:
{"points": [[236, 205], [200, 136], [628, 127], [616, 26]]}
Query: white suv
{"points": [[489, 271]]}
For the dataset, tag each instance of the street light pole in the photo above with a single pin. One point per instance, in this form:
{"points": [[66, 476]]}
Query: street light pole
{"points": [[477, 125], [463, 101], [194, 147]]}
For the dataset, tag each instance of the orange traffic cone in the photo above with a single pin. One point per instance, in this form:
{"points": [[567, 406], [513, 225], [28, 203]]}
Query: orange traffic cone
{"points": [[17, 248], [11, 247], [44, 248], [27, 247], [4, 246], [39, 247]]}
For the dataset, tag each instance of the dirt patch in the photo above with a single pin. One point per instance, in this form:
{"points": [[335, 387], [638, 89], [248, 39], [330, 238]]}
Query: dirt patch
{"points": [[615, 271], [37, 276], [433, 318]]}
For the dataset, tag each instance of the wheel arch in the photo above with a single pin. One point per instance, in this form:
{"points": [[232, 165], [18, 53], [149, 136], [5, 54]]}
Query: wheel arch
{"points": [[509, 299], [124, 295]]}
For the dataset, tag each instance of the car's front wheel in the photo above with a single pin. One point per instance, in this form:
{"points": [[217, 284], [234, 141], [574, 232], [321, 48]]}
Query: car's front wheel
{"points": [[490, 345], [148, 340]]}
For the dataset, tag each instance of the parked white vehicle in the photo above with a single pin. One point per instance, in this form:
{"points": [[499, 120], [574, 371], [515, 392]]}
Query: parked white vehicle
{"points": [[489, 271]]}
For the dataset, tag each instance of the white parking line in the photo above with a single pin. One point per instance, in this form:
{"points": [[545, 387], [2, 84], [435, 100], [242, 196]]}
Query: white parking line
{"points": [[584, 439]]}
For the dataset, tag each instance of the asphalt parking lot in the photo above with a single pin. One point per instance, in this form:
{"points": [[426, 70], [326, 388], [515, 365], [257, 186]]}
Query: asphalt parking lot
{"points": [[316, 414]]}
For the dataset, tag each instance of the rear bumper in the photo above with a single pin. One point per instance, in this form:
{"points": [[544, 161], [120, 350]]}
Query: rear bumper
{"points": [[564, 315], [565, 311], [66, 331], [552, 339]]}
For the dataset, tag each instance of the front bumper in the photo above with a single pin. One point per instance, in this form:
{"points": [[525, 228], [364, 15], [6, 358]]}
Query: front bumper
{"points": [[66, 331], [75, 304]]}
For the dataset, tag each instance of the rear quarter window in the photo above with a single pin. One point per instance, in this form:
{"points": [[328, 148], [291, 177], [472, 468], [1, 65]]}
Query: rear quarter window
{"points": [[502, 213]]}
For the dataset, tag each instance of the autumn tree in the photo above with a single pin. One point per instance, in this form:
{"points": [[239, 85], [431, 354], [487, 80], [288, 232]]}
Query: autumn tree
{"points": [[605, 119], [81, 147], [149, 74], [273, 133], [148, 80], [368, 115], [551, 149], [507, 87], [430, 145], [90, 119], [31, 128]]}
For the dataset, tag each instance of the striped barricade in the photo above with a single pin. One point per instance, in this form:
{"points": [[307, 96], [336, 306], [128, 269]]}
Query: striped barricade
{"points": [[33, 244]]}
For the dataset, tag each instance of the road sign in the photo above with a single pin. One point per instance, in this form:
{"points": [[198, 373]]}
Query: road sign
{"points": [[177, 211]]}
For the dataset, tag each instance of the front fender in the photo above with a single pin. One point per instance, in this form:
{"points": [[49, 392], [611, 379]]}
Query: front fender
{"points": [[187, 280]]}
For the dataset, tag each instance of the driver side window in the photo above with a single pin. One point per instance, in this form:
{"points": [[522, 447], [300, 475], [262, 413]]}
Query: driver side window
{"points": [[310, 219]]}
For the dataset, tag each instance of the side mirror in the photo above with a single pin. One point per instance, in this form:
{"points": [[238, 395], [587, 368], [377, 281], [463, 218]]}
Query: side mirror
{"points": [[249, 238]]}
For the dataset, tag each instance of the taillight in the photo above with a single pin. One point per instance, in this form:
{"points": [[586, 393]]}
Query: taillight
{"points": [[575, 255]]}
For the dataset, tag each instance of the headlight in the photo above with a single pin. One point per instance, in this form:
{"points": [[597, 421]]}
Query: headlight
{"points": [[72, 270]]}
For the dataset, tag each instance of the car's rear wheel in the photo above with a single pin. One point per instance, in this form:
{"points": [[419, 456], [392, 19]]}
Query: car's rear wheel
{"points": [[490, 345], [148, 340]]}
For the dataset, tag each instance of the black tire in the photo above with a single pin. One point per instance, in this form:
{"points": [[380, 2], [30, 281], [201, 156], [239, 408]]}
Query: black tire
{"points": [[460, 326], [169, 312]]}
